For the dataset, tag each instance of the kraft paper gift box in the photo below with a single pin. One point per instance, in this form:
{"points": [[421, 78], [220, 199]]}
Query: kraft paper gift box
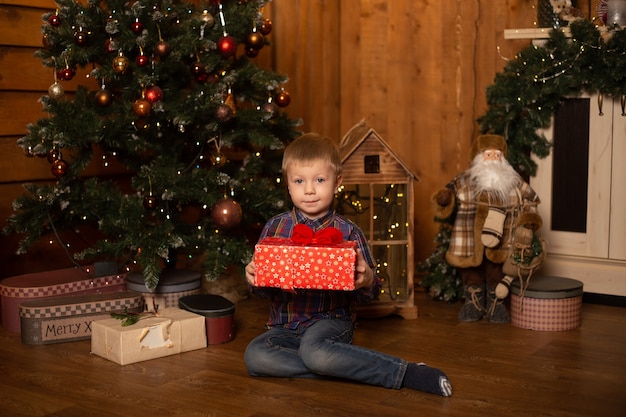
{"points": [[305, 263], [170, 332]]}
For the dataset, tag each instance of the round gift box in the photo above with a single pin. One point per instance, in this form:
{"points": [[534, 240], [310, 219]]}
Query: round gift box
{"points": [[173, 284], [218, 312], [549, 303]]}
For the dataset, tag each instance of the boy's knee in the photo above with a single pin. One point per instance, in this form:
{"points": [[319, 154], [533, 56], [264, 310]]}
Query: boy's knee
{"points": [[253, 360], [315, 359]]}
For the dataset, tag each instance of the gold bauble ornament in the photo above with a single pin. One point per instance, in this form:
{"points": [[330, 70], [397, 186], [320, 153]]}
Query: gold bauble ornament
{"points": [[120, 64], [142, 107], [255, 40], [103, 97], [207, 18]]}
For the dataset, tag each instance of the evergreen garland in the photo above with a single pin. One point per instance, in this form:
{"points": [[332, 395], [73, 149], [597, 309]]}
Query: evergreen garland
{"points": [[522, 101], [442, 280]]}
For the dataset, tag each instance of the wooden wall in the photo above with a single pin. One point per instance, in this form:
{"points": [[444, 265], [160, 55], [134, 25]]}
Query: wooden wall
{"points": [[415, 70]]}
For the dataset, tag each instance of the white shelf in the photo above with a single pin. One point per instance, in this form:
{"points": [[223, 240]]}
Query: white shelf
{"points": [[533, 33]]}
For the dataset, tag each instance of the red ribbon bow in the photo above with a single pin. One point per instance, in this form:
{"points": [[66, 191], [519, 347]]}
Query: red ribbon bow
{"points": [[304, 235]]}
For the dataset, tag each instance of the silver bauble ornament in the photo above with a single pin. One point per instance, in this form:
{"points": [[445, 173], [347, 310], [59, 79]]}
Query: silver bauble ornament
{"points": [[56, 91]]}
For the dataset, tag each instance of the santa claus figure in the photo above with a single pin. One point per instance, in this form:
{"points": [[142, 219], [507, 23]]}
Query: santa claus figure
{"points": [[486, 202]]}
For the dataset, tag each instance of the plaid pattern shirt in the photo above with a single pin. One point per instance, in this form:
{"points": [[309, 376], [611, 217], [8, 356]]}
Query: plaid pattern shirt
{"points": [[304, 307]]}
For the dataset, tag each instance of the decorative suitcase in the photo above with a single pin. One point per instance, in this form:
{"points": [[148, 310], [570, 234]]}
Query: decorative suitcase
{"points": [[68, 318], [80, 280], [173, 284], [548, 303], [219, 314]]}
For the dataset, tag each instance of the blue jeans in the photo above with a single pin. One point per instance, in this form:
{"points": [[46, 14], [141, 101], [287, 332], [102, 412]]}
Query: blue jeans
{"points": [[323, 349]]}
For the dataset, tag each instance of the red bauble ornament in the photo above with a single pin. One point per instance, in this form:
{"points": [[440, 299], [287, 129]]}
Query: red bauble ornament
{"points": [[226, 213], [154, 94], [198, 69], [66, 73], [227, 46], [110, 46], [136, 26], [142, 60], [46, 41], [54, 155], [266, 27], [81, 37], [150, 202], [103, 97], [54, 20], [251, 52], [59, 168], [142, 107], [282, 98]]}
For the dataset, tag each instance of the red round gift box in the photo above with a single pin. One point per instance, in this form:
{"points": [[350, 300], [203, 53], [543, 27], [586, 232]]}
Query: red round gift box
{"points": [[219, 313]]}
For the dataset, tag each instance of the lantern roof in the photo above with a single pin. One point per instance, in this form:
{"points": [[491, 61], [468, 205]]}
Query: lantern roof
{"points": [[354, 141]]}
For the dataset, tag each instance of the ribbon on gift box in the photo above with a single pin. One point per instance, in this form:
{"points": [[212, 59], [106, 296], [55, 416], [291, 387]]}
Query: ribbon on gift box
{"points": [[304, 235]]}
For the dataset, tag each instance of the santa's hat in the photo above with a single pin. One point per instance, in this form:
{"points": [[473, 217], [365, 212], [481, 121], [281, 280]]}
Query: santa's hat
{"points": [[488, 141]]}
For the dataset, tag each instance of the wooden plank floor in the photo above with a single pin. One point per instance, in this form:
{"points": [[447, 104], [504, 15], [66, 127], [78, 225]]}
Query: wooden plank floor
{"points": [[496, 370]]}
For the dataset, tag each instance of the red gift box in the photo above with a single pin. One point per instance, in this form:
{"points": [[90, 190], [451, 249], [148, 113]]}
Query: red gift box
{"points": [[307, 263]]}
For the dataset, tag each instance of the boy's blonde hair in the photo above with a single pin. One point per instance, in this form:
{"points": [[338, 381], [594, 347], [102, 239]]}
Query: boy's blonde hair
{"points": [[312, 147]]}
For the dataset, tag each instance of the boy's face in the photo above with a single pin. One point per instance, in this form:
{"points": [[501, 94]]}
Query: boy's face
{"points": [[312, 187]]}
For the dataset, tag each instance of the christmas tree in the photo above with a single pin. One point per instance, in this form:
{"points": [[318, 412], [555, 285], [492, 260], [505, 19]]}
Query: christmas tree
{"points": [[179, 102]]}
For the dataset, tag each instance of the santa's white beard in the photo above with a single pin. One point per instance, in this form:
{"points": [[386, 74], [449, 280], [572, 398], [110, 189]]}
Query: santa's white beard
{"points": [[497, 179]]}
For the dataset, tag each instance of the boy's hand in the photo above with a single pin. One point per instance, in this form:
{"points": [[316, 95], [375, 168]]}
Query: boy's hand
{"points": [[250, 271], [364, 276]]}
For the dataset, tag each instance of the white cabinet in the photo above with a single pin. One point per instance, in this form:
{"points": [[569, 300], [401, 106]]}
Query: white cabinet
{"points": [[582, 186]]}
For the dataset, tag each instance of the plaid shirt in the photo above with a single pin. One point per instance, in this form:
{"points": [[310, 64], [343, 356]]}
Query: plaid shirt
{"points": [[304, 307], [465, 249]]}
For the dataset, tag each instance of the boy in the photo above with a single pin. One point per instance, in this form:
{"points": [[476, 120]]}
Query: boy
{"points": [[310, 331]]}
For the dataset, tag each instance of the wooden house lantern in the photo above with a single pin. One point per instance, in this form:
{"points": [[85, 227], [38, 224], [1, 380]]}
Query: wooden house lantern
{"points": [[377, 194]]}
